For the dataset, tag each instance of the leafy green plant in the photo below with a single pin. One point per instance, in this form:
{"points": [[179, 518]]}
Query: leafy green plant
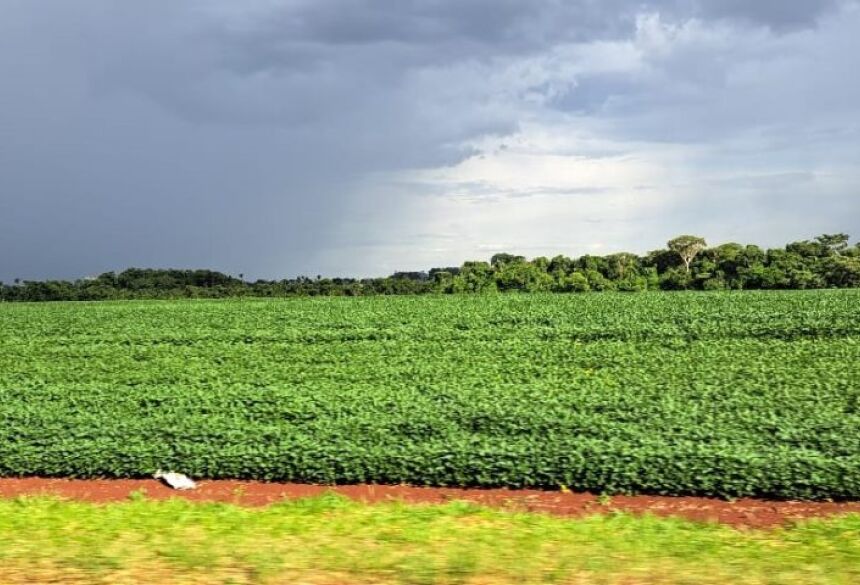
{"points": [[137, 495], [726, 394]]}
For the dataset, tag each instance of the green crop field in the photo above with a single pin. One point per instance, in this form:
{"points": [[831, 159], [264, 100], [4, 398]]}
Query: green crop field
{"points": [[728, 394]]}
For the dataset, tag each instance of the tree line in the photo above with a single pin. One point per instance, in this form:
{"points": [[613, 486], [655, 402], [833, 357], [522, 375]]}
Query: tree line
{"points": [[687, 263]]}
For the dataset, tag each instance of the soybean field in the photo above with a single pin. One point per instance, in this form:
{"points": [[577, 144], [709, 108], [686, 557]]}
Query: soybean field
{"points": [[725, 394]]}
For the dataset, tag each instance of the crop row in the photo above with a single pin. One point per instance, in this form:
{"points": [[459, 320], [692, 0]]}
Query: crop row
{"points": [[725, 394]]}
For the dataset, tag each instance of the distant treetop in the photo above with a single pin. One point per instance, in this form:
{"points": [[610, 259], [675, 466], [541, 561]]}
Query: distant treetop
{"points": [[687, 263]]}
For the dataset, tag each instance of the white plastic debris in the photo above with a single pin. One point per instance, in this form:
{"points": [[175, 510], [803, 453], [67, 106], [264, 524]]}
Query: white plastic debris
{"points": [[177, 481]]}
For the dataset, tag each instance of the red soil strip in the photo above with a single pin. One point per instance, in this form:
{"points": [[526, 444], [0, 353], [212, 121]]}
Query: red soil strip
{"points": [[745, 512]]}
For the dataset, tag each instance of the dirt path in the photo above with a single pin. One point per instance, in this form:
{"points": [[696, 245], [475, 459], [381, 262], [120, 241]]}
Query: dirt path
{"points": [[746, 512]]}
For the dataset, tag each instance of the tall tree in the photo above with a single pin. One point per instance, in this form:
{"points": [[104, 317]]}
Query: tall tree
{"points": [[621, 265], [687, 247], [836, 243], [503, 258]]}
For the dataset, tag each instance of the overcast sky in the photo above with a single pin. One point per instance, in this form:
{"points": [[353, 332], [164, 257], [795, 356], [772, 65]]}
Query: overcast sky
{"points": [[358, 137]]}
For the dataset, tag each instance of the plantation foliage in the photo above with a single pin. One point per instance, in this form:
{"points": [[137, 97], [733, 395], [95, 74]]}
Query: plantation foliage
{"points": [[723, 393]]}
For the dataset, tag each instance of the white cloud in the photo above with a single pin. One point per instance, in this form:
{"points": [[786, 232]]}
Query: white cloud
{"points": [[702, 137]]}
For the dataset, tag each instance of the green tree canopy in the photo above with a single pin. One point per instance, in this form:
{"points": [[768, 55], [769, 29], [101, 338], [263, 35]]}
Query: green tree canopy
{"points": [[687, 247]]}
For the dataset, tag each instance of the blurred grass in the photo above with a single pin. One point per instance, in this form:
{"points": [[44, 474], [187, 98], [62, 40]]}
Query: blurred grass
{"points": [[330, 540]]}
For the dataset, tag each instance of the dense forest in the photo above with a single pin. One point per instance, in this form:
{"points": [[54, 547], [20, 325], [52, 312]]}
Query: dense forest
{"points": [[687, 263]]}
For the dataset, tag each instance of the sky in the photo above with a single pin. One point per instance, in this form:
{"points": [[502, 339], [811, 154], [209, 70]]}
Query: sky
{"points": [[277, 138]]}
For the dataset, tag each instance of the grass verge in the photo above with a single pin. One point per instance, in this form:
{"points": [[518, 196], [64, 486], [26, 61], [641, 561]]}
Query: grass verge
{"points": [[330, 540]]}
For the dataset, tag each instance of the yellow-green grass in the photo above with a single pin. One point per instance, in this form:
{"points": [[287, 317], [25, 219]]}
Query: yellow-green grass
{"points": [[330, 540]]}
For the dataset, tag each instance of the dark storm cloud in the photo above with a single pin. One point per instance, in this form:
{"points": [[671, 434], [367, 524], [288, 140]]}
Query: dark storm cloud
{"points": [[242, 135], [484, 26], [504, 24], [779, 14]]}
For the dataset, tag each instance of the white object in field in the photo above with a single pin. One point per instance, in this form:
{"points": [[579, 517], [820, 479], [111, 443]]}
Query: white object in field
{"points": [[177, 481]]}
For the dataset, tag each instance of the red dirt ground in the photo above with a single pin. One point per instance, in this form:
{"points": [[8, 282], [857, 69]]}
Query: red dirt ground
{"points": [[745, 512]]}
